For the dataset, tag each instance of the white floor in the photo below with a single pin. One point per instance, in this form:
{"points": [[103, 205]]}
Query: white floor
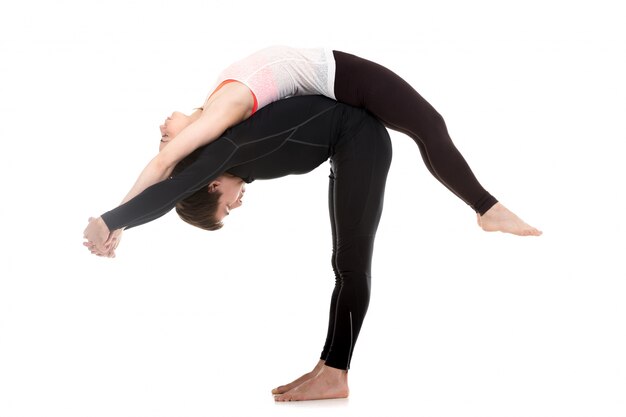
{"points": [[140, 336]]}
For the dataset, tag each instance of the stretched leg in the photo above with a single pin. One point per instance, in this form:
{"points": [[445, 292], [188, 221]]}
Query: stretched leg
{"points": [[357, 184], [333, 300], [360, 168], [363, 83]]}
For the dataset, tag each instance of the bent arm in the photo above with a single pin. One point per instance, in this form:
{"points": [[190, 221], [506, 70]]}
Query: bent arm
{"points": [[221, 115]]}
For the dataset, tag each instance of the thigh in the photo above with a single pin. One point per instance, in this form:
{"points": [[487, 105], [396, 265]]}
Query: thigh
{"points": [[360, 168], [366, 84]]}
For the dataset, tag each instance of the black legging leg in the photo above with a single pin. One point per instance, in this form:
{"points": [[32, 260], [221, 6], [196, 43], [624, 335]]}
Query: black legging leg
{"points": [[365, 84], [356, 190]]}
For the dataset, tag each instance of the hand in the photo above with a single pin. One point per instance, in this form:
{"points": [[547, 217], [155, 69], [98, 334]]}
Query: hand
{"points": [[109, 246], [92, 248], [97, 234], [112, 242]]}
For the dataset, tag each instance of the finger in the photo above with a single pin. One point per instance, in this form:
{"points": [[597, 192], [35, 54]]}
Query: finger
{"points": [[107, 242], [95, 248]]}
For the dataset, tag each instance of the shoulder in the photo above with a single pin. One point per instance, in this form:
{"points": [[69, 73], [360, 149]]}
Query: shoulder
{"points": [[234, 95]]}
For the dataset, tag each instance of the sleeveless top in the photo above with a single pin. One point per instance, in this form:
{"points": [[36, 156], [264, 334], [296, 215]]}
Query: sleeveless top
{"points": [[279, 72]]}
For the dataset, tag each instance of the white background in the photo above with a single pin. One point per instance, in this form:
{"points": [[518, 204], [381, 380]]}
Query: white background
{"points": [[191, 323]]}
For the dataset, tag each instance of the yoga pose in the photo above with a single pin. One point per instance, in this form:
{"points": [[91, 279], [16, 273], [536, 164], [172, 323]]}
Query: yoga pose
{"points": [[292, 137], [278, 72]]}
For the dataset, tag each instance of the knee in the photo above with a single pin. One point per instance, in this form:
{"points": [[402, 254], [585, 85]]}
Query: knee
{"points": [[436, 128], [353, 271], [357, 283]]}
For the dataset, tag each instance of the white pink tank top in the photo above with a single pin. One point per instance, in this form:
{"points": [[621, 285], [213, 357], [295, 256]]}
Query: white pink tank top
{"points": [[279, 72]]}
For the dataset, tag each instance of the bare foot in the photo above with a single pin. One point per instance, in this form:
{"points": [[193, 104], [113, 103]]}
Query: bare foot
{"points": [[327, 384], [284, 388], [500, 219]]}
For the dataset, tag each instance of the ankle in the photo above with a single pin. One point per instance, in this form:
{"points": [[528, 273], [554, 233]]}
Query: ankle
{"points": [[335, 372], [492, 210], [318, 366]]}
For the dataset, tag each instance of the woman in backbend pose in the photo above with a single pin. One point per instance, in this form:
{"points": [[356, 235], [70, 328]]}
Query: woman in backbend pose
{"points": [[278, 72]]}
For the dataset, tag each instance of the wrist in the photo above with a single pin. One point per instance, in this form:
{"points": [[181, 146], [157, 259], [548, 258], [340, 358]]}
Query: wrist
{"points": [[102, 223]]}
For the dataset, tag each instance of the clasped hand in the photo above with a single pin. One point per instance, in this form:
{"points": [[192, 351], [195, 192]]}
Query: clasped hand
{"points": [[100, 240]]}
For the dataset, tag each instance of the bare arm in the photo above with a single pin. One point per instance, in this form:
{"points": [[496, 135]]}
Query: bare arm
{"points": [[215, 119], [227, 107]]}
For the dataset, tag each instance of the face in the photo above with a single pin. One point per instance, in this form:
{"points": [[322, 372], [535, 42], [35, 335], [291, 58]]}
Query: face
{"points": [[174, 124], [232, 189]]}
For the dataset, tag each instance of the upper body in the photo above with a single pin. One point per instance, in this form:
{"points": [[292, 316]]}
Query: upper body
{"points": [[247, 85], [250, 84], [268, 75], [291, 136]]}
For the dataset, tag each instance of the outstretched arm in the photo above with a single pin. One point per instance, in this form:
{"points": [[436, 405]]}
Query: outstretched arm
{"points": [[229, 106], [155, 201], [223, 113]]}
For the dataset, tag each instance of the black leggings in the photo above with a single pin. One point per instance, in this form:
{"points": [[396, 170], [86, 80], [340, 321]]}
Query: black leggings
{"points": [[355, 199], [392, 100]]}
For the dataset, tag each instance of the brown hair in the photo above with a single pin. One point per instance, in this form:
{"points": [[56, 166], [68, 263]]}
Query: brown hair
{"points": [[200, 208]]}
